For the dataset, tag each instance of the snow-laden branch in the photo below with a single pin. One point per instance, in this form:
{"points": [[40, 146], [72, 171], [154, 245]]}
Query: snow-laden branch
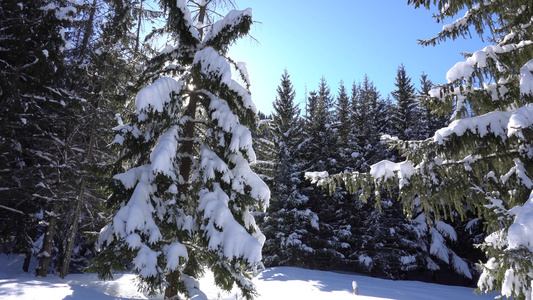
{"points": [[216, 67], [223, 232], [526, 78], [187, 20], [235, 24], [386, 169], [502, 124], [213, 65], [229, 122], [155, 97], [464, 70]]}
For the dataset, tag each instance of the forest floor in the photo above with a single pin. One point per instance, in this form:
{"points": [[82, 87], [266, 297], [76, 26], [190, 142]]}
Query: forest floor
{"points": [[273, 283]]}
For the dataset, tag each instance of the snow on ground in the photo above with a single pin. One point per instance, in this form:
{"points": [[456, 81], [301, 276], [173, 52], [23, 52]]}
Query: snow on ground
{"points": [[274, 283]]}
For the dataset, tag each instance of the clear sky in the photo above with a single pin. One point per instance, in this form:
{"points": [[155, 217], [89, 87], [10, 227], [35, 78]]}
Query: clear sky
{"points": [[341, 40]]}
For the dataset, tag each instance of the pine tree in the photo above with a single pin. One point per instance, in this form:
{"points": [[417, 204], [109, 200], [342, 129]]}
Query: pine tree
{"points": [[406, 117], [288, 224], [186, 194], [343, 115], [287, 137], [321, 140], [481, 162], [371, 120], [321, 153]]}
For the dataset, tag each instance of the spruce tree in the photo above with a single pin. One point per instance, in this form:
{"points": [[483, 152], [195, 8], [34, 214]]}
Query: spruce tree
{"points": [[343, 120], [321, 153], [264, 148], [370, 120], [406, 117], [288, 224], [321, 142], [287, 136], [386, 244], [390, 245], [481, 162], [186, 193]]}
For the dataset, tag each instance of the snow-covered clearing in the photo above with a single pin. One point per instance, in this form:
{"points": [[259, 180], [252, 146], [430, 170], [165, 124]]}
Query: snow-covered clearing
{"points": [[273, 283]]}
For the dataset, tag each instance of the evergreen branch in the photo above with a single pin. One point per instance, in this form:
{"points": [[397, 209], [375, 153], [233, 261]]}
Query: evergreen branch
{"points": [[226, 31], [12, 209]]}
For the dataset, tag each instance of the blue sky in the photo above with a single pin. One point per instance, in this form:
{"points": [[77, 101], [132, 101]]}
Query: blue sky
{"points": [[341, 40]]}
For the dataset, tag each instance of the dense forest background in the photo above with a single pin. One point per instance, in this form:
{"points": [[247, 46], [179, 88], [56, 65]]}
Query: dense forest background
{"points": [[334, 229]]}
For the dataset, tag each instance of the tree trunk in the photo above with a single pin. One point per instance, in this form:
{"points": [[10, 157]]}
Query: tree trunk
{"points": [[88, 30], [187, 147], [138, 37], [172, 288], [26, 264], [79, 200], [48, 241], [73, 231]]}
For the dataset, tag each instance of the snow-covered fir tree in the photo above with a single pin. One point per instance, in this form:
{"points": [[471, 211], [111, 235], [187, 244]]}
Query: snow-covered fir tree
{"points": [[186, 195], [406, 116], [370, 120], [321, 140], [288, 225], [481, 162], [343, 122]]}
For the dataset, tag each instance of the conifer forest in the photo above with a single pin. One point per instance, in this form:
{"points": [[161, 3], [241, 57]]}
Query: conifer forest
{"points": [[129, 141]]}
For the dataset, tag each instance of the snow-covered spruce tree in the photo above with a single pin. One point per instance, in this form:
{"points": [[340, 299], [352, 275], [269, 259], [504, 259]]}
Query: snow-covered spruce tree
{"points": [[287, 224], [388, 243], [406, 117], [441, 244], [320, 151], [370, 119], [383, 242], [482, 161], [321, 141], [287, 136], [438, 241], [187, 192], [343, 114]]}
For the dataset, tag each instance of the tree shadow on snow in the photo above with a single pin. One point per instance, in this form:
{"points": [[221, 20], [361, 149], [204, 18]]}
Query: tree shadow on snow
{"points": [[322, 280]]}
